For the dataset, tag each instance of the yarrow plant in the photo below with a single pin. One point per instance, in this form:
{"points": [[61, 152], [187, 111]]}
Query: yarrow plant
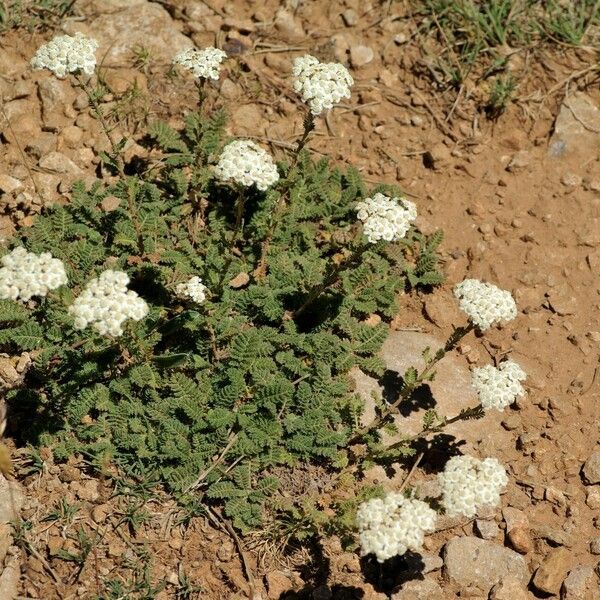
{"points": [[214, 400], [24, 275], [321, 85], [385, 218], [204, 64], [484, 303], [392, 525], [66, 54], [192, 289], [245, 163], [498, 387], [106, 304], [468, 483]]}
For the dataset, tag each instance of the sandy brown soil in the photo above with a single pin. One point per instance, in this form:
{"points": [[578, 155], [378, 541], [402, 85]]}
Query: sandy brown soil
{"points": [[512, 213]]}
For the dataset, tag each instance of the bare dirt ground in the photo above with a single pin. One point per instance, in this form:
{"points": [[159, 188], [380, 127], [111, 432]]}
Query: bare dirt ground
{"points": [[518, 199]]}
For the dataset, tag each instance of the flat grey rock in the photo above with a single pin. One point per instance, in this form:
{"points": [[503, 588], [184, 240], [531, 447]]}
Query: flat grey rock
{"points": [[577, 127], [448, 394], [122, 25], [472, 562]]}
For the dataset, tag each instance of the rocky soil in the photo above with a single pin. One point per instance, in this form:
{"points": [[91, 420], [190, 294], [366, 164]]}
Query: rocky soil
{"points": [[519, 201]]}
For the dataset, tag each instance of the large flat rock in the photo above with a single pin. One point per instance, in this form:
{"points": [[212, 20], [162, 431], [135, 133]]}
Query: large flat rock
{"points": [[119, 26], [448, 394]]}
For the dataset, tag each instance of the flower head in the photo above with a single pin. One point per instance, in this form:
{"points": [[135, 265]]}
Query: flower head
{"points": [[498, 387], [484, 303], [25, 274], [392, 525], [193, 290], [65, 54], [106, 304], [467, 483], [247, 164], [205, 63], [321, 85], [385, 218]]}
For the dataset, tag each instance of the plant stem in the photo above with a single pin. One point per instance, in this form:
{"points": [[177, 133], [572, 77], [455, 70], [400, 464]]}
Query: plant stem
{"points": [[331, 279], [99, 114], [237, 231], [309, 126], [200, 85], [408, 389]]}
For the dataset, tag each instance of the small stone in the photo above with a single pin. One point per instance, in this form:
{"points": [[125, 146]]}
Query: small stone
{"points": [[555, 496], [88, 490], [514, 518], [593, 498], [591, 469], [9, 579], [470, 561], [553, 570], [437, 157], [110, 203], [288, 27], [277, 584], [520, 539], [519, 161], [99, 513], [595, 546], [509, 588], [350, 17], [225, 551], [425, 589], [177, 544], [571, 180], [361, 55], [487, 530], [578, 584], [10, 185], [562, 300], [240, 280], [11, 500], [59, 163]]}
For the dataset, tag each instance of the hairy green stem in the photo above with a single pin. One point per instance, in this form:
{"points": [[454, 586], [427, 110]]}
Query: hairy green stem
{"points": [[309, 126], [238, 229]]}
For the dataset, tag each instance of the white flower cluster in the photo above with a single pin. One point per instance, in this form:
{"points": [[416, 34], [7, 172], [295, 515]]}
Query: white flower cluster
{"points": [[246, 163], [385, 218], [321, 85], [193, 290], [498, 387], [484, 303], [392, 525], [24, 274], [467, 483], [65, 54], [204, 63], [106, 304]]}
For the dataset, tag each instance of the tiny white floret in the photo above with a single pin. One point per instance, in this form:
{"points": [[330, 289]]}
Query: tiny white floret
{"points": [[246, 163], [468, 483], [193, 290], [106, 303], [65, 54], [321, 85], [392, 525], [204, 64], [484, 303], [498, 387], [24, 275], [385, 218]]}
